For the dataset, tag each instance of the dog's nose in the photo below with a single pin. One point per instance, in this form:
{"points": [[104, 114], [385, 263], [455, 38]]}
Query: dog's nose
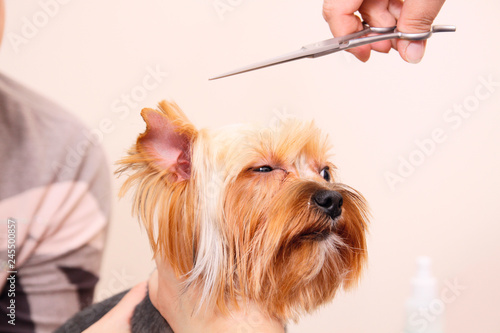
{"points": [[329, 201]]}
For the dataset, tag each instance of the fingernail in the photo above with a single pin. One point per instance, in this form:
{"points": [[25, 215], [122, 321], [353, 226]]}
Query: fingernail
{"points": [[415, 52]]}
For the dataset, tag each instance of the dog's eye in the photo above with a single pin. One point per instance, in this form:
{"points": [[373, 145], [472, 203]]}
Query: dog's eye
{"points": [[325, 173], [264, 168]]}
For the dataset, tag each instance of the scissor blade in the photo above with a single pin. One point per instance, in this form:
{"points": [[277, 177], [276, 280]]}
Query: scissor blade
{"points": [[313, 50], [302, 53]]}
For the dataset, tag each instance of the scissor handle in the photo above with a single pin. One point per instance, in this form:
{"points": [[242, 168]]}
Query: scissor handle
{"points": [[377, 30], [425, 35], [359, 38], [395, 34], [367, 29], [404, 35]]}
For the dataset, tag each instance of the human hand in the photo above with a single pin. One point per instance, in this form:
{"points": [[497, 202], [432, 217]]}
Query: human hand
{"points": [[118, 319], [410, 16]]}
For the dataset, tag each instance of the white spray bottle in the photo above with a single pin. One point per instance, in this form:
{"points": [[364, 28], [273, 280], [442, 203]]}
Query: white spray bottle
{"points": [[424, 309]]}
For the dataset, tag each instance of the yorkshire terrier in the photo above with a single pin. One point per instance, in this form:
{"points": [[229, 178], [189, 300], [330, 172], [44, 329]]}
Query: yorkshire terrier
{"points": [[242, 213]]}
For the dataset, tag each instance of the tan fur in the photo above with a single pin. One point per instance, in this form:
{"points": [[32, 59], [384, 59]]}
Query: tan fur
{"points": [[239, 235]]}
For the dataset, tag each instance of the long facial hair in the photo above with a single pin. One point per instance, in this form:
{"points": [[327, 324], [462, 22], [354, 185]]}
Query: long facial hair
{"points": [[252, 237]]}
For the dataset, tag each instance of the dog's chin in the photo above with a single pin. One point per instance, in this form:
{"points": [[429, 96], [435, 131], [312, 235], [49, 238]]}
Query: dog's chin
{"points": [[321, 234], [316, 236]]}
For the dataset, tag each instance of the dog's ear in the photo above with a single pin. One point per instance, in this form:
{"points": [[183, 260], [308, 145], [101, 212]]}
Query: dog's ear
{"points": [[167, 140]]}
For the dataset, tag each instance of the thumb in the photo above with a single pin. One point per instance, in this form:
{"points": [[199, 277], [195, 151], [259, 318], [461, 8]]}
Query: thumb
{"points": [[117, 320], [416, 16], [125, 308]]}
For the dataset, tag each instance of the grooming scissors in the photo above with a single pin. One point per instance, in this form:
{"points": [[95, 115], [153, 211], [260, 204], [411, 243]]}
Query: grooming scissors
{"points": [[342, 43]]}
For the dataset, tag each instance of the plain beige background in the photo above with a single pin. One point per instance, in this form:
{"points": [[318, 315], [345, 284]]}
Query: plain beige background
{"points": [[89, 55]]}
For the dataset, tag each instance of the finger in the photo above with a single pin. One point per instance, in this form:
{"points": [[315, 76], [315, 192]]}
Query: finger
{"points": [[339, 14], [117, 320], [395, 10], [376, 14], [125, 308], [416, 16], [334, 10], [395, 7]]}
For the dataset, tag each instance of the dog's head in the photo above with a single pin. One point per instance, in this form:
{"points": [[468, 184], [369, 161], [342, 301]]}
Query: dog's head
{"points": [[246, 213]]}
